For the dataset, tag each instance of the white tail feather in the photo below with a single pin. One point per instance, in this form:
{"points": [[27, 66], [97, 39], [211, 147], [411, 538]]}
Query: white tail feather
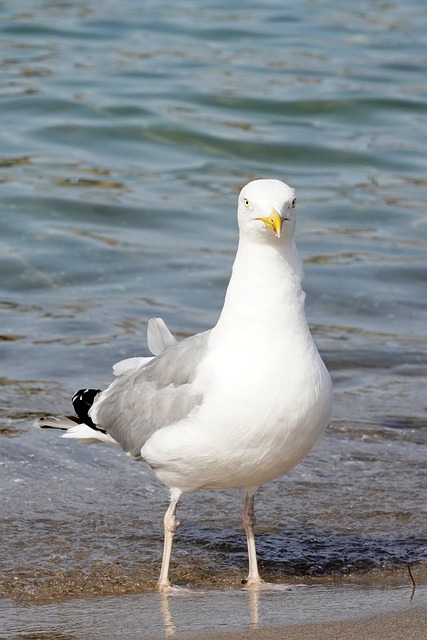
{"points": [[80, 432], [86, 435], [159, 337]]}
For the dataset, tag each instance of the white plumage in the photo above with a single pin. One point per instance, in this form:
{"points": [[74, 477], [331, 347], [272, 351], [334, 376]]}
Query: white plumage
{"points": [[235, 406]]}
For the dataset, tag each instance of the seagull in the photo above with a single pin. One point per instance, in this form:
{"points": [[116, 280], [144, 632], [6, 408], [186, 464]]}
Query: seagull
{"points": [[232, 407]]}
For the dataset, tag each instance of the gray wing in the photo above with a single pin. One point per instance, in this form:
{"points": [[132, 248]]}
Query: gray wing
{"points": [[160, 393]]}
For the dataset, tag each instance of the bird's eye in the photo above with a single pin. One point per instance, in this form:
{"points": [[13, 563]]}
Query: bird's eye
{"points": [[246, 202], [294, 203]]}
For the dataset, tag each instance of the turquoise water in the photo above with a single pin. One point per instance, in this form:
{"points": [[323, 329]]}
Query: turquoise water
{"points": [[128, 128]]}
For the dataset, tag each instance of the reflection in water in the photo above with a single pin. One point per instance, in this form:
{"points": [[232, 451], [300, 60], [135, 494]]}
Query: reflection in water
{"points": [[254, 594], [168, 623], [252, 601], [170, 627]]}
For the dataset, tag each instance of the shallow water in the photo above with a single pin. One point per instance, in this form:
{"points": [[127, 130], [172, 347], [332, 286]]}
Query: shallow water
{"points": [[153, 616], [128, 130]]}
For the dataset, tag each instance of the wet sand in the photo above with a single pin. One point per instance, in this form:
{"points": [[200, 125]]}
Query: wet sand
{"points": [[319, 611], [408, 625]]}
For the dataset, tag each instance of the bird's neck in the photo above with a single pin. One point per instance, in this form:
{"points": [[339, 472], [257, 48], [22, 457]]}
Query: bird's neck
{"points": [[264, 294]]}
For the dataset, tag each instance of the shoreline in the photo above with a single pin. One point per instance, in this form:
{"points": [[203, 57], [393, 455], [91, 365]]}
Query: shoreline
{"points": [[345, 612], [403, 625]]}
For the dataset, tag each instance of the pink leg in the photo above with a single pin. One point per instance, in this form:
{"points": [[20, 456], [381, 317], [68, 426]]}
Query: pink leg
{"points": [[254, 579], [249, 523], [171, 525]]}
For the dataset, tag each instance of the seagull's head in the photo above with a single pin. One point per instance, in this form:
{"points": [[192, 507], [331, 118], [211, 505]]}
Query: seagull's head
{"points": [[266, 211]]}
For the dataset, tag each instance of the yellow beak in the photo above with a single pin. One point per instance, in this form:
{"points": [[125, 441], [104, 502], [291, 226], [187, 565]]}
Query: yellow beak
{"points": [[273, 222]]}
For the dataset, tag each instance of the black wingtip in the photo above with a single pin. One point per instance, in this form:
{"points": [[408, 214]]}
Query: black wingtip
{"points": [[82, 401]]}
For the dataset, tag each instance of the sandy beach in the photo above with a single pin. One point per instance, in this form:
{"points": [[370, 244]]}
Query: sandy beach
{"points": [[344, 611], [407, 625]]}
